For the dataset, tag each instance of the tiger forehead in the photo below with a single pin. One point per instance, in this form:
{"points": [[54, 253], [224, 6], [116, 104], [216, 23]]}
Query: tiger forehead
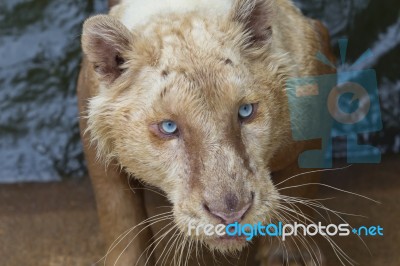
{"points": [[187, 32], [195, 63], [189, 38], [204, 84], [211, 77]]}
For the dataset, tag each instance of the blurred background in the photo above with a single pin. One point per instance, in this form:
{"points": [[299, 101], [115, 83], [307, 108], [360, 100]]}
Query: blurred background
{"points": [[39, 64], [40, 57]]}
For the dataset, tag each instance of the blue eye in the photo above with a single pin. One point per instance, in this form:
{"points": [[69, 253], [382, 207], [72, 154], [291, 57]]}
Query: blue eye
{"points": [[168, 127], [245, 111]]}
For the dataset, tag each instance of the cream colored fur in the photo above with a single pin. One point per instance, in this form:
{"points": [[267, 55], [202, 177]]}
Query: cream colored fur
{"points": [[196, 62], [135, 13]]}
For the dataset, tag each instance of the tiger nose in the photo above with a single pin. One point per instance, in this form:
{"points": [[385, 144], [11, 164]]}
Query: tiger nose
{"points": [[233, 211]]}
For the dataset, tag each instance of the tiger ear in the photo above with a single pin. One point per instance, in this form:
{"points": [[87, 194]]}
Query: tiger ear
{"points": [[257, 17], [105, 42]]}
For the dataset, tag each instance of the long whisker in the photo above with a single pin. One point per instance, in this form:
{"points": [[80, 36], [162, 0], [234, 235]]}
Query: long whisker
{"points": [[337, 214], [188, 253], [148, 225], [321, 206], [329, 239], [145, 187], [313, 171], [307, 246], [282, 243], [335, 188], [125, 233], [179, 244], [176, 234], [158, 241], [150, 243]]}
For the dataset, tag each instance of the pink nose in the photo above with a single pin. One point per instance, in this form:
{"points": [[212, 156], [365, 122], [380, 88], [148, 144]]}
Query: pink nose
{"points": [[230, 217]]}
